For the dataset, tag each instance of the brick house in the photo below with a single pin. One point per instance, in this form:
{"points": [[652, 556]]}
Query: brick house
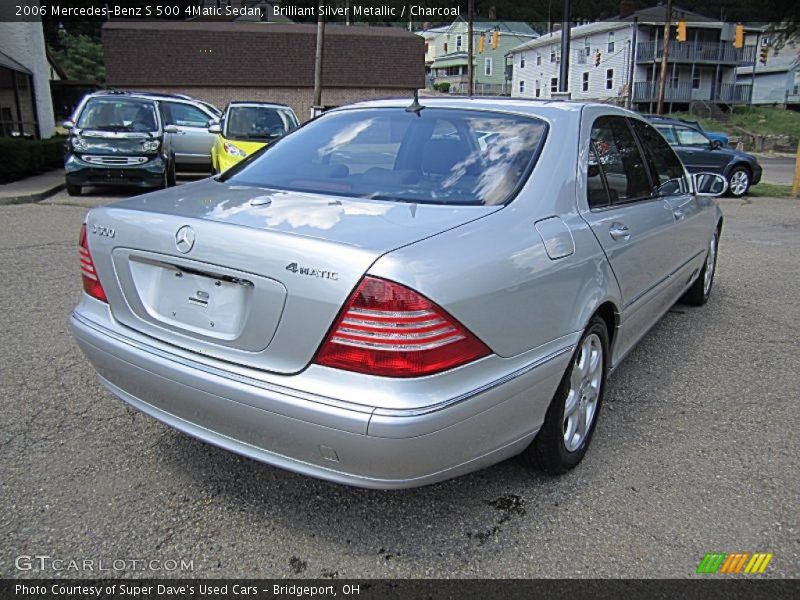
{"points": [[224, 61]]}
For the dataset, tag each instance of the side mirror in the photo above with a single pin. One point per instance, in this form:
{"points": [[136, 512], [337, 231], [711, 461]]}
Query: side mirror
{"points": [[171, 129], [716, 144], [214, 128], [709, 184], [68, 124]]}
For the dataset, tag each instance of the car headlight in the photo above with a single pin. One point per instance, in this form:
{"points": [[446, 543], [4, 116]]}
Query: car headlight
{"points": [[78, 143], [150, 145], [233, 150]]}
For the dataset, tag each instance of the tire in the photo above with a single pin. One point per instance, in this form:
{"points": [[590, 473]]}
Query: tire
{"points": [[170, 178], [739, 181], [74, 190], [563, 439], [698, 294]]}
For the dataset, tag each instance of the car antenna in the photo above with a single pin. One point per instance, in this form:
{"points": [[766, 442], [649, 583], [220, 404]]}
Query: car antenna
{"points": [[415, 106]]}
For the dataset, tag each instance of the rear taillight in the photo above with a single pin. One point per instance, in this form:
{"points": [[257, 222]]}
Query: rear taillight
{"points": [[91, 283], [387, 329]]}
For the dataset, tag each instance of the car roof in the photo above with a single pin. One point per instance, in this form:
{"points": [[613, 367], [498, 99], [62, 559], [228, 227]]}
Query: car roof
{"points": [[257, 103], [523, 106]]}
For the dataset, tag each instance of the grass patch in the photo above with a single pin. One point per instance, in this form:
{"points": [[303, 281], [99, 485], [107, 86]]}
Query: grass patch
{"points": [[755, 119], [772, 190]]}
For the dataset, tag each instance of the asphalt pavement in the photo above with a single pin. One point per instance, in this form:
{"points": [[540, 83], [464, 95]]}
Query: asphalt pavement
{"points": [[696, 450], [777, 169]]}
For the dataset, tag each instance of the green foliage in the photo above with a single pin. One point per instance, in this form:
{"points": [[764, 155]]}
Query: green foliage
{"points": [[23, 158], [770, 190], [80, 55], [443, 87], [759, 120]]}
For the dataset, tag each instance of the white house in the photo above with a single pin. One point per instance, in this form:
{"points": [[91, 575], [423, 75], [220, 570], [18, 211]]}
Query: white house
{"points": [[778, 80], [25, 103], [619, 61]]}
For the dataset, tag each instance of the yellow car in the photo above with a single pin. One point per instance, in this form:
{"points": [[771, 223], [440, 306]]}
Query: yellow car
{"points": [[246, 127]]}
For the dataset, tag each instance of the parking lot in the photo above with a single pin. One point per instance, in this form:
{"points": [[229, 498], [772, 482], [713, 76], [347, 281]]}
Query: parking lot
{"points": [[696, 449]]}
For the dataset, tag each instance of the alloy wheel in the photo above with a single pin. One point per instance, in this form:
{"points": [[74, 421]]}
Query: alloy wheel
{"points": [[580, 405], [711, 264], [739, 183]]}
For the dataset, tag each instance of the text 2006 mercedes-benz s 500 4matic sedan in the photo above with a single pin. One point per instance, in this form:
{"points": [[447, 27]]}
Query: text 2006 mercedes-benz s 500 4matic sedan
{"points": [[396, 294]]}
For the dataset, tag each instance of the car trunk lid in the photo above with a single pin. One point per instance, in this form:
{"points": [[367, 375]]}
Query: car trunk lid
{"points": [[248, 275]]}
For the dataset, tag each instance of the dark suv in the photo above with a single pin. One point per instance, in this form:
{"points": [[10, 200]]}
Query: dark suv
{"points": [[118, 139], [701, 154]]}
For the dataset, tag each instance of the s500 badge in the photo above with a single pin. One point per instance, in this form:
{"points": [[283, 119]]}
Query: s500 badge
{"points": [[311, 272], [104, 231]]}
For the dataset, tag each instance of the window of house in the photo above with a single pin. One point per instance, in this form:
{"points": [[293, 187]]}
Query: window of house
{"points": [[538, 91], [487, 66], [619, 161], [522, 86], [553, 85], [609, 79], [445, 47], [587, 47], [426, 47], [458, 43], [538, 58], [552, 54], [586, 81], [522, 60], [673, 81], [610, 42], [696, 81]]}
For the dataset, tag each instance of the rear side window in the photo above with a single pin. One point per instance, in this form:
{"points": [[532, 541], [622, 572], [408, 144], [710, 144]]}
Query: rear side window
{"points": [[620, 161], [435, 156], [665, 165]]}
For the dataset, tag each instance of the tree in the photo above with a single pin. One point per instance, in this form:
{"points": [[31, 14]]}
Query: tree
{"points": [[80, 56]]}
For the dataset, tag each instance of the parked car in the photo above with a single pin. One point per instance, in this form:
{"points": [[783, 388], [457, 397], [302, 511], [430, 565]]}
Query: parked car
{"points": [[246, 127], [181, 124], [118, 139], [397, 294], [699, 153], [718, 136]]}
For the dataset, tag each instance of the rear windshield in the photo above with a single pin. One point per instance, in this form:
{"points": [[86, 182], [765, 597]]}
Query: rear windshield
{"points": [[258, 122], [436, 156], [118, 114]]}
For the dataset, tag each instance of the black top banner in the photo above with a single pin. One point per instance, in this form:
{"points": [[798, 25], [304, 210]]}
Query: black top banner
{"points": [[396, 11]]}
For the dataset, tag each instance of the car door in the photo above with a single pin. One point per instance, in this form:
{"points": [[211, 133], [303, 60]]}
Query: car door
{"points": [[672, 184], [696, 151], [192, 144], [634, 226]]}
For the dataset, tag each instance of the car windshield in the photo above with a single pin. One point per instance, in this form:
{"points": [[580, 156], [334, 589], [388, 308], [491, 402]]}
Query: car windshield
{"points": [[119, 114], [258, 122], [434, 156]]}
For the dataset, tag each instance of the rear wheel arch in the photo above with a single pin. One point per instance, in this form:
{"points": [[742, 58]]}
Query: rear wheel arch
{"points": [[609, 312]]}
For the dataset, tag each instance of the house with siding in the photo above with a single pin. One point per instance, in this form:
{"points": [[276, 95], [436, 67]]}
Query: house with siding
{"points": [[220, 62], [619, 61], [446, 54], [778, 80]]}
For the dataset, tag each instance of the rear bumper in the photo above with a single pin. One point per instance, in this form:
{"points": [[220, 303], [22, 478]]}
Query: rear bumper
{"points": [[354, 445]]}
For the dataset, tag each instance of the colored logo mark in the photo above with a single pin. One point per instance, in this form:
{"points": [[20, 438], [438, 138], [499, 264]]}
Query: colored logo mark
{"points": [[737, 562]]}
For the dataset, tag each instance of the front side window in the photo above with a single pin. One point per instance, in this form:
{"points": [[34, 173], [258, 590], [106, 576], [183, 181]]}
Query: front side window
{"points": [[119, 114], [253, 122], [184, 115], [436, 156], [664, 163], [619, 160], [691, 137]]}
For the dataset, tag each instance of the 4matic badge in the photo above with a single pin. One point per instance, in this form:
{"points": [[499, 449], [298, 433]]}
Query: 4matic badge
{"points": [[311, 272]]}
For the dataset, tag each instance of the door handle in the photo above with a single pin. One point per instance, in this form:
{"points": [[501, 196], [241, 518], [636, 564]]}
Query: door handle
{"points": [[618, 231]]}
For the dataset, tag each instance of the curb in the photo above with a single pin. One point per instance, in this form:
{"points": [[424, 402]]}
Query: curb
{"points": [[34, 197]]}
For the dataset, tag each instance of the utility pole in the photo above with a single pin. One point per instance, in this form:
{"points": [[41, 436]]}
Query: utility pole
{"points": [[470, 49], [316, 107], [753, 75], [563, 75], [662, 78]]}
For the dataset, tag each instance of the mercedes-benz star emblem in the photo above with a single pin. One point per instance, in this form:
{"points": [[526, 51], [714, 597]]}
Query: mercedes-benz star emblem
{"points": [[184, 239]]}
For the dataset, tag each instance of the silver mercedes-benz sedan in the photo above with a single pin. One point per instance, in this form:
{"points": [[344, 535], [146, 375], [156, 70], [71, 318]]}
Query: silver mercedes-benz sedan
{"points": [[396, 294]]}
